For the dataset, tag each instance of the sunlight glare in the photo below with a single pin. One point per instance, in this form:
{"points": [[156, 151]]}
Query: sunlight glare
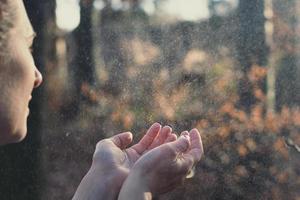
{"points": [[98, 4], [67, 14], [148, 6], [191, 10]]}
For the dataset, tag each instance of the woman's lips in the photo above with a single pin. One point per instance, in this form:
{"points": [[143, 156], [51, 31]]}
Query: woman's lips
{"points": [[28, 111]]}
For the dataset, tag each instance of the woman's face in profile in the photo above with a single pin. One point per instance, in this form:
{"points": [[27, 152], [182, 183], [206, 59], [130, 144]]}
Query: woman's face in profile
{"points": [[18, 77]]}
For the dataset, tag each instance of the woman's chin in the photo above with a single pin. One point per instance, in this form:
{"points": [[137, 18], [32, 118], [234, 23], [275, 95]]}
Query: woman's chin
{"points": [[15, 136], [19, 136]]}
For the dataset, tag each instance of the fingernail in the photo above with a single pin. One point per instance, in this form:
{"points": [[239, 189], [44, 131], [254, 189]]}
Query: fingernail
{"points": [[185, 133], [185, 136], [167, 126], [129, 136], [156, 125]]}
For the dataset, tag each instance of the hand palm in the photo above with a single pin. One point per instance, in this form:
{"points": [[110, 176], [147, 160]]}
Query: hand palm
{"points": [[113, 153]]}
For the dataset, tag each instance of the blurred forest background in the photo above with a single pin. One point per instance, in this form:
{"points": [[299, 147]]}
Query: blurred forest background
{"points": [[230, 68]]}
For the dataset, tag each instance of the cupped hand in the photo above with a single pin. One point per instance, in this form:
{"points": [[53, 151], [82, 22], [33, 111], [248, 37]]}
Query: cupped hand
{"points": [[112, 162], [165, 167], [114, 158]]}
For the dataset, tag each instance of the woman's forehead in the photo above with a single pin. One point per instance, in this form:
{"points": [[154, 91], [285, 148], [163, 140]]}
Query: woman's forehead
{"points": [[22, 20]]}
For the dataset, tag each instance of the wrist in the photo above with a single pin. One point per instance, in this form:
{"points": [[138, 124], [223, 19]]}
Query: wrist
{"points": [[99, 184], [135, 187], [112, 178]]}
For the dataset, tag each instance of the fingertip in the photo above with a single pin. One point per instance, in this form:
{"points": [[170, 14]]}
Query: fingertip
{"points": [[185, 133], [128, 136], [154, 129], [195, 131], [122, 139], [196, 139], [194, 134], [182, 143], [185, 137], [156, 125], [172, 137], [165, 132], [168, 129]]}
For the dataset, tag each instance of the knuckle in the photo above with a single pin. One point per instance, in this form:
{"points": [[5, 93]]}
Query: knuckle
{"points": [[101, 144]]}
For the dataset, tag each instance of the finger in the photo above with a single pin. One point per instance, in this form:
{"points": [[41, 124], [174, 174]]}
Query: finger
{"points": [[148, 138], [172, 137], [196, 150], [162, 136], [182, 144], [196, 141], [122, 140], [185, 133]]}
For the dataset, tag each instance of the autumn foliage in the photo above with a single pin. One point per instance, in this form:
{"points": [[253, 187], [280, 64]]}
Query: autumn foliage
{"points": [[248, 154]]}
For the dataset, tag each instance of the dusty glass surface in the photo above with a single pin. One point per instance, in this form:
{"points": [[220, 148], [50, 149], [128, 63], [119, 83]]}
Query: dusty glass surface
{"points": [[228, 67]]}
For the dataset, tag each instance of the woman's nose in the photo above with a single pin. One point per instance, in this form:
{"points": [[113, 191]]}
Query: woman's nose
{"points": [[38, 78]]}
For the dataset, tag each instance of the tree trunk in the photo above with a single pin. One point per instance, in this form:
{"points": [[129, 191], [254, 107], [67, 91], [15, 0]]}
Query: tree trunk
{"points": [[251, 47], [286, 40], [82, 66], [84, 62], [110, 41]]}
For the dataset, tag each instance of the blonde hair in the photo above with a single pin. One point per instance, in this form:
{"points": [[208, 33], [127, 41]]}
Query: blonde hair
{"points": [[6, 23]]}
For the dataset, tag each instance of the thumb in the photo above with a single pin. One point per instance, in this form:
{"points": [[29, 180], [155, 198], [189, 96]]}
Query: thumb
{"points": [[122, 140], [182, 144]]}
